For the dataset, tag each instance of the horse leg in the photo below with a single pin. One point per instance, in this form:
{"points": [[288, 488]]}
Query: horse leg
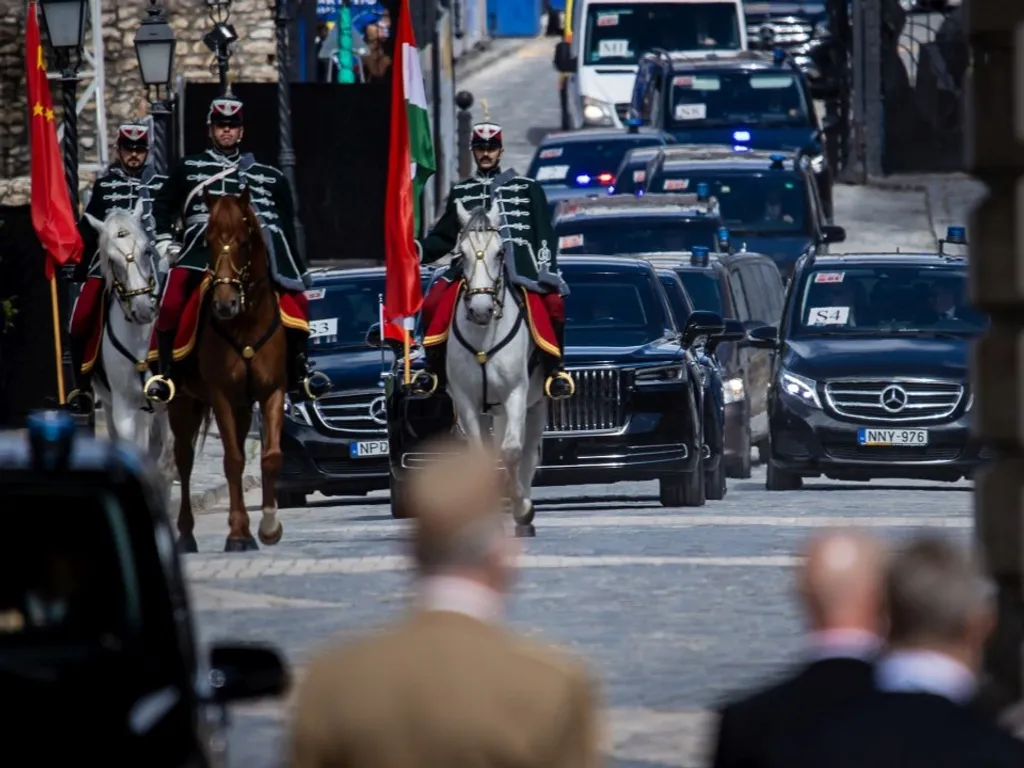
{"points": [[186, 418], [240, 538], [270, 529]]}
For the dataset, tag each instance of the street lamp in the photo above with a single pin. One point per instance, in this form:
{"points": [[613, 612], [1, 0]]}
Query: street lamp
{"points": [[282, 17], [64, 21], [222, 38], [154, 48]]}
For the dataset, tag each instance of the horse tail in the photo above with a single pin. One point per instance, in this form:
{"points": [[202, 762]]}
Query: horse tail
{"points": [[204, 430]]}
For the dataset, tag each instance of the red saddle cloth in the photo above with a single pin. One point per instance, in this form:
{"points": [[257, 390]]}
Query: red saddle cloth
{"points": [[537, 317], [293, 307]]}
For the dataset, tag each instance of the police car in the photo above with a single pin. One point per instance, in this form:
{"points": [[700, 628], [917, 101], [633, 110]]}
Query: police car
{"points": [[749, 99], [624, 225], [98, 656], [769, 200]]}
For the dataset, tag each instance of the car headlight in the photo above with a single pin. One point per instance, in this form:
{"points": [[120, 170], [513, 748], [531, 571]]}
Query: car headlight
{"points": [[296, 412], [822, 29], [734, 392], [803, 389], [817, 164], [661, 373], [599, 112]]}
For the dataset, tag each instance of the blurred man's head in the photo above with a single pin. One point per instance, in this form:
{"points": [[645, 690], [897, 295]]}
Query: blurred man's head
{"points": [[840, 582], [939, 600], [460, 529]]}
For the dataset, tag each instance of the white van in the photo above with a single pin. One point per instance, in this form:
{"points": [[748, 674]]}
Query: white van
{"points": [[609, 36]]}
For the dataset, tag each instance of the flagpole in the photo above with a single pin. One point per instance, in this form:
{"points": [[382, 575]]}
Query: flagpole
{"points": [[57, 348]]}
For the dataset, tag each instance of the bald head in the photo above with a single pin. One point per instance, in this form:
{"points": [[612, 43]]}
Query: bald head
{"points": [[456, 503], [841, 581]]}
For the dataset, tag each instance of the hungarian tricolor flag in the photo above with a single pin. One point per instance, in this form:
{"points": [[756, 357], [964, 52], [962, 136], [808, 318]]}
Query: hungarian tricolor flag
{"points": [[52, 216], [410, 164]]}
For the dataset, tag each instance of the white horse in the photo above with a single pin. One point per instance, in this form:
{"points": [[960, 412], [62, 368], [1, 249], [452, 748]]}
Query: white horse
{"points": [[130, 276], [489, 360]]}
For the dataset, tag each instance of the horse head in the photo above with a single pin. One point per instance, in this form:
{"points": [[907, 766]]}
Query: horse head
{"points": [[126, 262], [237, 261], [481, 249]]}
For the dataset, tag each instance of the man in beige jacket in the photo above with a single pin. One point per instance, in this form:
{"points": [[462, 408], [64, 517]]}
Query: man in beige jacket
{"points": [[449, 686]]}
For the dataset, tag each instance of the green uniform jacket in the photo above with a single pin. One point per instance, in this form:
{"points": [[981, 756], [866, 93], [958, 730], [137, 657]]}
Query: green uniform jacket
{"points": [[530, 247], [117, 189], [221, 174]]}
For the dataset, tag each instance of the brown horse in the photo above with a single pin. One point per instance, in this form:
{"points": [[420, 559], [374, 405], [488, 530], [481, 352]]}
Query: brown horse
{"points": [[240, 359]]}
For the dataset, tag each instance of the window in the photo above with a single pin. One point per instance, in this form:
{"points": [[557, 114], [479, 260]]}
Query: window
{"points": [[621, 308], [771, 99]]}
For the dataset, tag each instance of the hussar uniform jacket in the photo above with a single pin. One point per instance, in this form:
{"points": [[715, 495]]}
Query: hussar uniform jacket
{"points": [[531, 257], [229, 174], [118, 189]]}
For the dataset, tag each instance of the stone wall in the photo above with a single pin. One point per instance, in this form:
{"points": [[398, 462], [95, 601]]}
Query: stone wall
{"points": [[253, 61]]}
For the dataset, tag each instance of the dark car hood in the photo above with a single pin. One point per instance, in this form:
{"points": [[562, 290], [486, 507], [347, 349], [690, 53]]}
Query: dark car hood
{"points": [[354, 368], [761, 137], [656, 351], [811, 11], [784, 249], [878, 357]]}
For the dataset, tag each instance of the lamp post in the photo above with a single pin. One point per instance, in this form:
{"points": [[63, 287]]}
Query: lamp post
{"points": [[64, 21], [222, 38], [154, 48], [282, 17]]}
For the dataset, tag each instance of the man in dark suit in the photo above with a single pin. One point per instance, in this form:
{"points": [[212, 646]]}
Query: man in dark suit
{"points": [[941, 615], [840, 587]]}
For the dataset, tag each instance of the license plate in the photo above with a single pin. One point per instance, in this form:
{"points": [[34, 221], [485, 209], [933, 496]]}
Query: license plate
{"points": [[368, 449], [892, 436]]}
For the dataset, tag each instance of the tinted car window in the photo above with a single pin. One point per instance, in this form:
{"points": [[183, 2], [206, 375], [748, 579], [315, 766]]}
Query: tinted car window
{"points": [[619, 34], [886, 300], [705, 100], [612, 308], [676, 298], [585, 163], [608, 237], [702, 287], [770, 201]]}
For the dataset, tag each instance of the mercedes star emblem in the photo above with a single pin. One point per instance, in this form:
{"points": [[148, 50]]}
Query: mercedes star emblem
{"points": [[379, 411], [894, 399]]}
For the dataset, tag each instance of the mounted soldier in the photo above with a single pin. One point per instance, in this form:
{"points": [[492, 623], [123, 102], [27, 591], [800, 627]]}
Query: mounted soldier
{"points": [[128, 181], [530, 259], [224, 169]]}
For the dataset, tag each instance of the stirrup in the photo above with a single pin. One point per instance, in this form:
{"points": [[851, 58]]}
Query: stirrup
{"points": [[308, 381], [90, 401], [554, 377], [165, 380]]}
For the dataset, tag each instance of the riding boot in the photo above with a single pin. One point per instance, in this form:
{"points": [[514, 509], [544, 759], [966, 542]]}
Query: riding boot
{"points": [[432, 377], [81, 400], [303, 382], [559, 384], [162, 387]]}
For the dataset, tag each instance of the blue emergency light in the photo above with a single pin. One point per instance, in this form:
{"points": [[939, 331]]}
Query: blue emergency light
{"points": [[723, 239], [741, 136], [778, 55], [956, 235], [50, 435], [700, 256], [703, 192]]}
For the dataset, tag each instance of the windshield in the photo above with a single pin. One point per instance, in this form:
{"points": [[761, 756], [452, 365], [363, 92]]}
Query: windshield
{"points": [[608, 237], [702, 288], [676, 298], [887, 300], [612, 309], [584, 163], [774, 201], [618, 34], [738, 98]]}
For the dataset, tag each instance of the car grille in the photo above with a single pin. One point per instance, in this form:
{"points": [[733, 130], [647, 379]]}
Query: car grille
{"points": [[922, 400], [786, 33], [622, 110], [597, 405], [349, 412], [893, 452]]}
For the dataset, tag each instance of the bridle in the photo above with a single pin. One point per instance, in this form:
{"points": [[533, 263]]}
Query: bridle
{"points": [[497, 282], [121, 291]]}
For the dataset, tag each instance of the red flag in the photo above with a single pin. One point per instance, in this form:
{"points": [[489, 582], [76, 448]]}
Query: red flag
{"points": [[52, 216], [403, 292]]}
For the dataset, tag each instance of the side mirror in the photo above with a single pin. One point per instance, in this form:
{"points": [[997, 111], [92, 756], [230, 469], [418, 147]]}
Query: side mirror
{"points": [[763, 337], [733, 331], [564, 60], [373, 338], [833, 234], [240, 672], [702, 323]]}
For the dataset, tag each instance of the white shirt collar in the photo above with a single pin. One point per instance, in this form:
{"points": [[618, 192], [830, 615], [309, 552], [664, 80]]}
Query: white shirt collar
{"points": [[926, 672], [844, 644], [458, 595]]}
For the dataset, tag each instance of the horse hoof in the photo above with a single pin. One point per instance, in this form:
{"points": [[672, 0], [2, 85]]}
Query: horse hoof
{"points": [[271, 540], [240, 544], [187, 544], [525, 531]]}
